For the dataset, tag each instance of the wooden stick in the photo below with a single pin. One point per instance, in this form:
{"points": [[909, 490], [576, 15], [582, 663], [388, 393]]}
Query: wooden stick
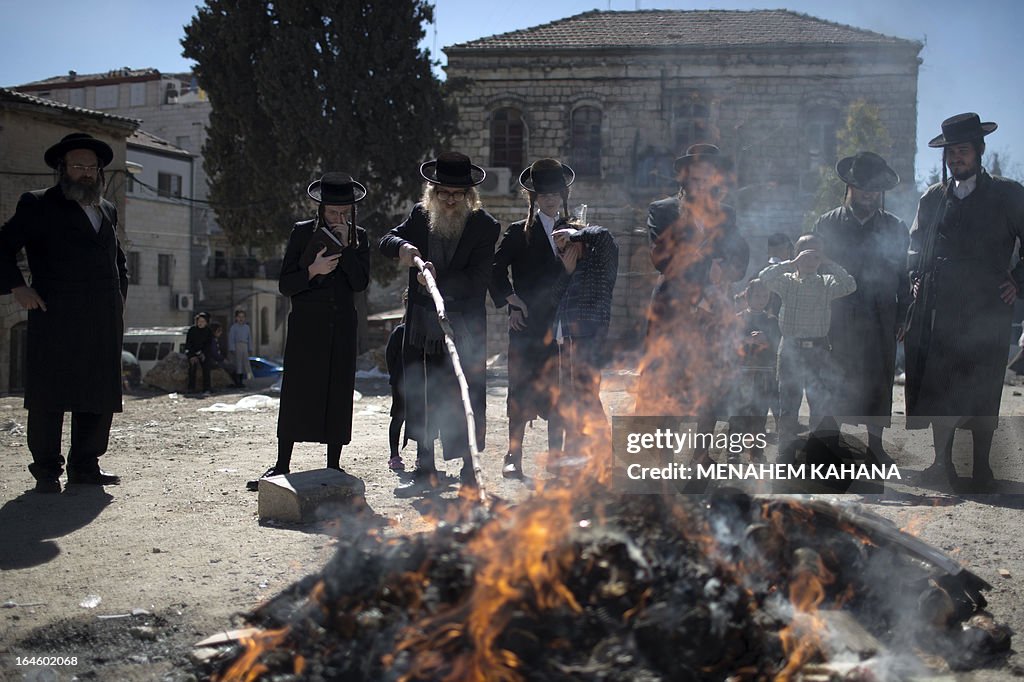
{"points": [[449, 340]]}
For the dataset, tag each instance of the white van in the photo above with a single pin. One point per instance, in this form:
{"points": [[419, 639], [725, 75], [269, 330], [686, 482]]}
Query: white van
{"points": [[150, 345]]}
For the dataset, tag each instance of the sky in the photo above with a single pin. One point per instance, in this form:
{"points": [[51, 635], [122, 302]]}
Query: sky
{"points": [[973, 60]]}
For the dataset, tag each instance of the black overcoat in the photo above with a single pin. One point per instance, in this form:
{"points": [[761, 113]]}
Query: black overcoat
{"points": [[320, 351], [681, 369], [532, 352], [74, 348], [957, 341], [463, 285], [864, 324]]}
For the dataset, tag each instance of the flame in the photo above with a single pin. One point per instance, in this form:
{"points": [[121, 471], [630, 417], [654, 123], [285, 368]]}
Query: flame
{"points": [[801, 639], [246, 667]]}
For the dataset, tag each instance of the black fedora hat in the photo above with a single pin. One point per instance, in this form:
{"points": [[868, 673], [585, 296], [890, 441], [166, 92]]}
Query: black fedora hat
{"points": [[55, 154], [336, 189], [452, 169], [867, 171], [703, 151], [547, 176], [962, 128]]}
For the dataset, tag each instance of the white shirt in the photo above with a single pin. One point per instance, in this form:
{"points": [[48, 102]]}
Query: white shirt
{"points": [[549, 226], [961, 188], [93, 212]]}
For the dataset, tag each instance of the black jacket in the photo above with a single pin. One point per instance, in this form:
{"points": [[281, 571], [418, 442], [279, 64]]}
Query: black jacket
{"points": [[74, 348]]}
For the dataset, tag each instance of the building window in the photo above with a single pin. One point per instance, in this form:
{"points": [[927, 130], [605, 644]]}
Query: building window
{"points": [[183, 141], [134, 268], [585, 150], [507, 131], [106, 97], [654, 170], [163, 270], [138, 94], [820, 135], [168, 185], [690, 120]]}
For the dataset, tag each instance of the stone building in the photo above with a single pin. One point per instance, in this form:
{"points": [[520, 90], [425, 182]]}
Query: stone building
{"points": [[619, 95], [159, 245], [28, 126]]}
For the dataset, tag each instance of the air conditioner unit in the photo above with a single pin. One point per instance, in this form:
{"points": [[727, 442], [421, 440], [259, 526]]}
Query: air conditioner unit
{"points": [[497, 182], [184, 301]]}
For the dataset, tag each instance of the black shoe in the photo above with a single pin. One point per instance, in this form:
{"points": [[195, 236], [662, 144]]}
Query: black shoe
{"points": [[254, 486], [47, 485], [421, 480], [513, 467], [97, 477]]}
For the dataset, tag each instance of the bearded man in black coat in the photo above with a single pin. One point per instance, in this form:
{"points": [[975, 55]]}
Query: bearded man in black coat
{"points": [[871, 244], [961, 247], [452, 233], [75, 307]]}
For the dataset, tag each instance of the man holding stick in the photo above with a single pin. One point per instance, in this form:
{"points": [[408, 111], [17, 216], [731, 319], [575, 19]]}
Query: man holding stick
{"points": [[455, 237]]}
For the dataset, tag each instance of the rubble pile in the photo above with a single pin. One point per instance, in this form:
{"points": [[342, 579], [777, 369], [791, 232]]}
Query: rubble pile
{"points": [[606, 587]]}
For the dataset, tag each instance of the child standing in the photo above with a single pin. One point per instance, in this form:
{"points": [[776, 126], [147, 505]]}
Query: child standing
{"points": [[240, 344], [807, 285], [393, 358], [757, 386]]}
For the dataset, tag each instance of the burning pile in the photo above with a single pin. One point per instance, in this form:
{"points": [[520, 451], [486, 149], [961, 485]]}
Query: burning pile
{"points": [[606, 587]]}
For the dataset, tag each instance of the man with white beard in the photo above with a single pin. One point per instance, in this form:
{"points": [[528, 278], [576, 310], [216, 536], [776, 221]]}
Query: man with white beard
{"points": [[75, 307], [450, 231]]}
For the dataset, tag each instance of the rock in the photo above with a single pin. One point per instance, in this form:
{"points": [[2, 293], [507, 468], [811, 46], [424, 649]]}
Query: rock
{"points": [[171, 374]]}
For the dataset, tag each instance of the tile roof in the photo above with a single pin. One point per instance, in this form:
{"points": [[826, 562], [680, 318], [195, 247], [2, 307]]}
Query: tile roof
{"points": [[140, 138], [8, 95], [72, 78], [683, 28]]}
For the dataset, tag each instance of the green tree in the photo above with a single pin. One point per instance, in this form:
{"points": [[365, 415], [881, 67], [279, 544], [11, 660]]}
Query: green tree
{"points": [[863, 131], [298, 88]]}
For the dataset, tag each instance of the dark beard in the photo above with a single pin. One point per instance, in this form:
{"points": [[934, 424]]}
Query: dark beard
{"points": [[447, 227], [965, 175], [87, 193]]}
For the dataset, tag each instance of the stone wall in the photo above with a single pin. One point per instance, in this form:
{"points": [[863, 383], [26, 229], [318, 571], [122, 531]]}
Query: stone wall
{"points": [[763, 108]]}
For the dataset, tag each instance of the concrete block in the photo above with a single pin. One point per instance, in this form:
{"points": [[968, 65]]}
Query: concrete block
{"points": [[296, 498]]}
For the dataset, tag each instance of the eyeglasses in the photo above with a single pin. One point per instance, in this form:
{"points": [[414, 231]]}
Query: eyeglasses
{"points": [[445, 195], [84, 169]]}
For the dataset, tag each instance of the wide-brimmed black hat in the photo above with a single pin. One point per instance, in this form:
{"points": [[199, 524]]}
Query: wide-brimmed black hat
{"points": [[867, 171], [336, 189], [703, 152], [962, 128], [205, 316], [452, 169], [547, 176], [55, 154]]}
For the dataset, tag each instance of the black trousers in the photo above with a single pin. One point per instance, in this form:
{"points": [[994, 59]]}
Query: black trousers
{"points": [[90, 434], [192, 367]]}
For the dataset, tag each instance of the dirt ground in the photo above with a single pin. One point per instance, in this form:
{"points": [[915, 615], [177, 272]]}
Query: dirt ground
{"points": [[119, 583]]}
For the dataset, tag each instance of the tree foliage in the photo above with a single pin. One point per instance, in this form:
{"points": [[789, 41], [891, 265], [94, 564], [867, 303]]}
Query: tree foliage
{"points": [[863, 132], [299, 88]]}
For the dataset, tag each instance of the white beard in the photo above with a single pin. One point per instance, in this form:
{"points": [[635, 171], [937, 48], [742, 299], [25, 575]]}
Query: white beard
{"points": [[448, 227]]}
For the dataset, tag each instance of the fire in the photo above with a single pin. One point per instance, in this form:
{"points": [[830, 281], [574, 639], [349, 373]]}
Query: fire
{"points": [[247, 667]]}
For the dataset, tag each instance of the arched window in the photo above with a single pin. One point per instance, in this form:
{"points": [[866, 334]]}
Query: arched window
{"points": [[691, 122], [507, 132], [820, 135], [585, 141]]}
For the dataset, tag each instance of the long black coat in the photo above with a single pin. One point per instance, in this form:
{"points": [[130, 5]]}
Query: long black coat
{"points": [[957, 342], [463, 286], [74, 348], [864, 324], [532, 351], [320, 352], [682, 367]]}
